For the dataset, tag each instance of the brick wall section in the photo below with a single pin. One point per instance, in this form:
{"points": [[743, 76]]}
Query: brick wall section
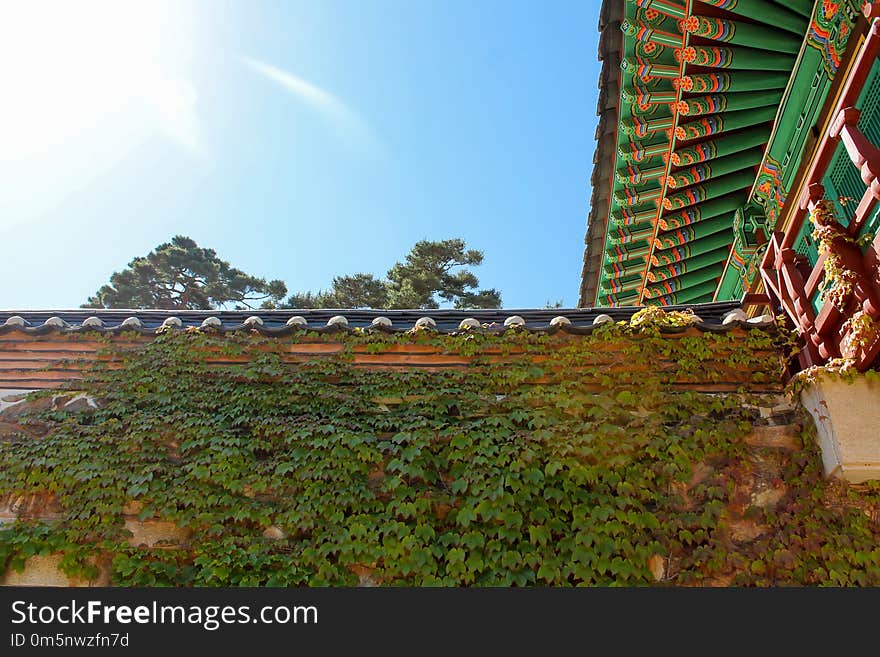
{"points": [[36, 362]]}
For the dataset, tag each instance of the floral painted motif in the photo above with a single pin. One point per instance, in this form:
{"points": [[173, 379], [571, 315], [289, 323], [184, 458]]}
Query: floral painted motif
{"points": [[769, 191], [830, 29]]}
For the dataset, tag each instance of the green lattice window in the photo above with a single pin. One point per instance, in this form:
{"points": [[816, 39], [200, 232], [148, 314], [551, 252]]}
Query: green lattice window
{"points": [[869, 103], [807, 246], [842, 182]]}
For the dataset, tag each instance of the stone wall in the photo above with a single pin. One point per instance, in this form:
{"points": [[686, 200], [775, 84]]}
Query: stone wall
{"points": [[774, 439], [761, 477], [19, 417]]}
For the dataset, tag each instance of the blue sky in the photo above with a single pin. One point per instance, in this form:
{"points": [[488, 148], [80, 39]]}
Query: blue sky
{"points": [[300, 140]]}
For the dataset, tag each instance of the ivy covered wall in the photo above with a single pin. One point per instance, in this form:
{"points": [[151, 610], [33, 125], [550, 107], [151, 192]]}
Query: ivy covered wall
{"points": [[638, 454]]}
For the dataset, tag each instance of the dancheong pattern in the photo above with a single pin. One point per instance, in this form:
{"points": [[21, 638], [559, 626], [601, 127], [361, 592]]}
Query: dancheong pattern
{"points": [[830, 29], [769, 190], [699, 85]]}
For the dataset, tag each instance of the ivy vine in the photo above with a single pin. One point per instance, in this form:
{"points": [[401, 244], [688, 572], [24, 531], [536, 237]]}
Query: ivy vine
{"points": [[579, 460]]}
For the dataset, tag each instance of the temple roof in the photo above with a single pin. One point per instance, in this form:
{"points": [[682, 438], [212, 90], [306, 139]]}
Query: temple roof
{"points": [[710, 316], [688, 95]]}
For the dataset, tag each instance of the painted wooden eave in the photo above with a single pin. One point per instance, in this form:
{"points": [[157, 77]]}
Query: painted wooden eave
{"points": [[610, 43], [698, 87]]}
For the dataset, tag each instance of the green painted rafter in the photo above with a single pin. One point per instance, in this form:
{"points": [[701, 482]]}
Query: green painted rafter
{"points": [[700, 84]]}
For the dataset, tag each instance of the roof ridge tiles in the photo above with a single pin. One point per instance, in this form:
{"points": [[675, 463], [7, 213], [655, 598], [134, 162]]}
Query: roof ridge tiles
{"points": [[282, 323]]}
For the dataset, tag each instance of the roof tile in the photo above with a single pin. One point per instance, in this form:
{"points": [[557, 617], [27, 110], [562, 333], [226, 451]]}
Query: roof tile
{"points": [[710, 316]]}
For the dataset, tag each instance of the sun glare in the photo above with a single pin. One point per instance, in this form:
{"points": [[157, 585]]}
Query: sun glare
{"points": [[70, 68]]}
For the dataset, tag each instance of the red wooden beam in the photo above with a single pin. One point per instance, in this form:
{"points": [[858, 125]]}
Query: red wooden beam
{"points": [[755, 299], [849, 94]]}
